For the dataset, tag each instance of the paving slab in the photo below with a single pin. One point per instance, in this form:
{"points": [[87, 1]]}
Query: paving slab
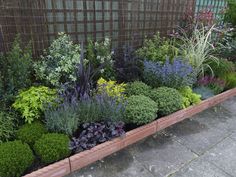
{"points": [[121, 164], [230, 105], [217, 117], [162, 155], [233, 136], [200, 168], [223, 156], [196, 136]]}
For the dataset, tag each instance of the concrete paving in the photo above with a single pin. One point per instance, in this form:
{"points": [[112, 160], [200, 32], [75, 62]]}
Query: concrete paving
{"points": [[202, 146]]}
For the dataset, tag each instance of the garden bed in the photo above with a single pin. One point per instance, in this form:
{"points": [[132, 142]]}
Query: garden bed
{"points": [[87, 157]]}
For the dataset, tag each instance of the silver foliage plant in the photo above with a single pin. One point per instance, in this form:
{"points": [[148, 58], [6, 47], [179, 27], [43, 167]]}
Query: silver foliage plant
{"points": [[198, 49], [60, 61]]}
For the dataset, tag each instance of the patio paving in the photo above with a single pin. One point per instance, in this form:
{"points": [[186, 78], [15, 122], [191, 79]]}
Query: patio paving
{"points": [[202, 146]]}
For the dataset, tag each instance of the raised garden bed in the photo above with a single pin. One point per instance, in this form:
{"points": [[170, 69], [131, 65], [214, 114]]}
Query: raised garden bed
{"points": [[87, 157]]}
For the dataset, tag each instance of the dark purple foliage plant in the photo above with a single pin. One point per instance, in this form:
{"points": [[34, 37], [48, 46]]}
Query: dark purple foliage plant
{"points": [[96, 133], [217, 85], [128, 64]]}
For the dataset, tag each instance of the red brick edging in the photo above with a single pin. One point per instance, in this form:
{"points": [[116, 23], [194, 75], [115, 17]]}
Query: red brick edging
{"points": [[87, 157]]}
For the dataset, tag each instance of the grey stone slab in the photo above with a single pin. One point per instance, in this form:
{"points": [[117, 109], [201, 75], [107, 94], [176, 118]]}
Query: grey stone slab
{"points": [[197, 136], [162, 155], [121, 164], [200, 168], [218, 117], [233, 136], [230, 105], [223, 156]]}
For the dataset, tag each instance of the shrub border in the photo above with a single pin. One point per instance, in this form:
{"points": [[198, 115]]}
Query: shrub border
{"points": [[80, 160]]}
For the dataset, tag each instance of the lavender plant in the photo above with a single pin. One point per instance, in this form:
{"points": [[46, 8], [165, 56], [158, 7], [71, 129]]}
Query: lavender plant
{"points": [[62, 119], [101, 107], [175, 75], [96, 133]]}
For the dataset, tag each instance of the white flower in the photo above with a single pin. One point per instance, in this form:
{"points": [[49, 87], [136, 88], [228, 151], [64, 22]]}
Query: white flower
{"points": [[102, 70]]}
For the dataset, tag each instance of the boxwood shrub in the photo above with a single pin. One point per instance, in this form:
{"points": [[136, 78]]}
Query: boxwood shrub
{"points": [[140, 110], [137, 88], [29, 133], [52, 147], [15, 158], [168, 100]]}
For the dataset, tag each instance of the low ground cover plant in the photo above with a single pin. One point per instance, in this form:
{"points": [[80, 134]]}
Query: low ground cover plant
{"points": [[96, 133], [217, 85]]}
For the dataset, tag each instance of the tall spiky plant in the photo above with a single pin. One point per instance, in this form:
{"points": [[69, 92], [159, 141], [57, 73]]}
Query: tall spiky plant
{"points": [[198, 50]]}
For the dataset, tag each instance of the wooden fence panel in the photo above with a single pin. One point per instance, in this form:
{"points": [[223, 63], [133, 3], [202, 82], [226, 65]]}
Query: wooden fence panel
{"points": [[124, 21]]}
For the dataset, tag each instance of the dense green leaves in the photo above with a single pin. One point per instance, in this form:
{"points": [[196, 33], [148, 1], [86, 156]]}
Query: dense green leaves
{"points": [[30, 103], [15, 158], [60, 62], [168, 100], [137, 88], [140, 110], [189, 97], [15, 72], [7, 126], [52, 147], [157, 49], [29, 133]]}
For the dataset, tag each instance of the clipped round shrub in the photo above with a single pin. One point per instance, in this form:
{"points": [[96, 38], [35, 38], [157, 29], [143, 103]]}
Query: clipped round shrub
{"points": [[29, 133], [52, 147], [137, 88], [168, 100], [15, 158], [140, 110]]}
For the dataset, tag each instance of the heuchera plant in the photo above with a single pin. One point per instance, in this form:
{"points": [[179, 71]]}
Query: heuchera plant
{"points": [[175, 75], [217, 85], [96, 133]]}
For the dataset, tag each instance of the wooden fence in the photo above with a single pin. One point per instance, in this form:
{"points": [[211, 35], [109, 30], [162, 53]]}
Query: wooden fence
{"points": [[124, 21]]}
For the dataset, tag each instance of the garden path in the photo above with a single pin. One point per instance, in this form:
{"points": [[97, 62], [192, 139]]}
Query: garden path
{"points": [[202, 146]]}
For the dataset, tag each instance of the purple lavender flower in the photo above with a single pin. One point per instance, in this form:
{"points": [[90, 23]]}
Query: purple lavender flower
{"points": [[176, 74]]}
